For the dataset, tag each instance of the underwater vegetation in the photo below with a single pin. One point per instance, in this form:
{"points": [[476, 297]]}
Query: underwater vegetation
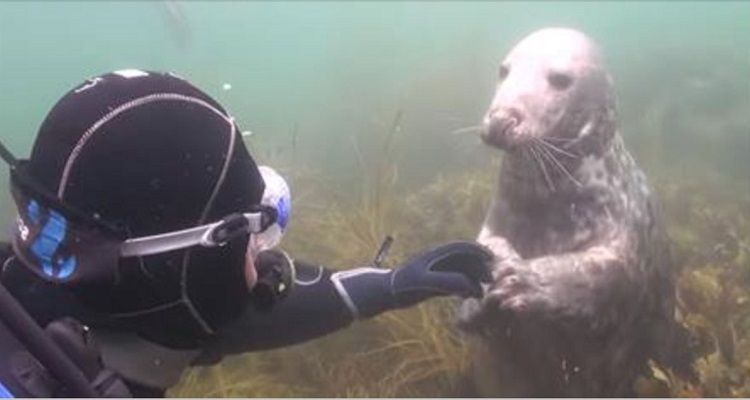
{"points": [[710, 231], [419, 352]]}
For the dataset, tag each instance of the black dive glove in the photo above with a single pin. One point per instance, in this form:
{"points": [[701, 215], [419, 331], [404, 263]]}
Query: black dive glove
{"points": [[452, 269]]}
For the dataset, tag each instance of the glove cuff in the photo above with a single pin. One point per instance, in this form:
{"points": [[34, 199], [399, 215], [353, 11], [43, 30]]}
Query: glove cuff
{"points": [[366, 291]]}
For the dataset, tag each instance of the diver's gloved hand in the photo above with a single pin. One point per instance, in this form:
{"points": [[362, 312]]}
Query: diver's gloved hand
{"points": [[452, 269]]}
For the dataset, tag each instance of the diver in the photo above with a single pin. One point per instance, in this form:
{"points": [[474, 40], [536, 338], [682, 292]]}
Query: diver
{"points": [[142, 215]]}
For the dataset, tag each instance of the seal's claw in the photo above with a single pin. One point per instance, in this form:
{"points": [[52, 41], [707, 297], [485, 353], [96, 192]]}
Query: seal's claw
{"points": [[466, 316]]}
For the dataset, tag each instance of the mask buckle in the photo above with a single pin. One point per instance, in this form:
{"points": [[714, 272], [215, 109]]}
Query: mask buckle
{"points": [[234, 226]]}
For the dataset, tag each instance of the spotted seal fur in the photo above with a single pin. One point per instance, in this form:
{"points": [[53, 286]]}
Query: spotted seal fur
{"points": [[583, 293]]}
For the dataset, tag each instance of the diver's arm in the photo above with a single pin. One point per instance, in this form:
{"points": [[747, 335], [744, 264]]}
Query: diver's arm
{"points": [[323, 301], [313, 308]]}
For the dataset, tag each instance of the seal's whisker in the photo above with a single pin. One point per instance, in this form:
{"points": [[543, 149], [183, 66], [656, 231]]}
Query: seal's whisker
{"points": [[468, 129], [548, 145], [558, 164], [544, 147], [557, 149], [560, 139], [540, 162], [529, 160], [564, 143], [544, 153], [526, 160], [547, 175]]}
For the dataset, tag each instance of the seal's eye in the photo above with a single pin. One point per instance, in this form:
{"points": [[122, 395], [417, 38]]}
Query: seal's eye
{"points": [[504, 70], [559, 80]]}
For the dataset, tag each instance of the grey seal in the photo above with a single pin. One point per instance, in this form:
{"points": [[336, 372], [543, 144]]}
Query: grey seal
{"points": [[582, 293]]}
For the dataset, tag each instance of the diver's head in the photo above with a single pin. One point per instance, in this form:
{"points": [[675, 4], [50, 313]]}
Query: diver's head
{"points": [[162, 166]]}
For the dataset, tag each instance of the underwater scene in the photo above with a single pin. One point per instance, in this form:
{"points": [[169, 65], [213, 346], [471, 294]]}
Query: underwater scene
{"points": [[373, 113]]}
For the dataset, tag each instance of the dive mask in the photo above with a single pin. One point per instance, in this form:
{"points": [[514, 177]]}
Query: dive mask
{"points": [[277, 196], [275, 270]]}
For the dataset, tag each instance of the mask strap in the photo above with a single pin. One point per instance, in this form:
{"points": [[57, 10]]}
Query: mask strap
{"points": [[21, 180], [209, 235]]}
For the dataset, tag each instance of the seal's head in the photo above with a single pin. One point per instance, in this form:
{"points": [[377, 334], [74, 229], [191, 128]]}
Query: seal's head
{"points": [[551, 85]]}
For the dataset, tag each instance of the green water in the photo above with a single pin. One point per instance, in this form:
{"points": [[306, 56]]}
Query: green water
{"points": [[334, 68], [318, 83]]}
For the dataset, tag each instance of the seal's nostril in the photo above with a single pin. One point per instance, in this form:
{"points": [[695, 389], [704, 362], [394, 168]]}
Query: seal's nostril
{"points": [[491, 114], [515, 116]]}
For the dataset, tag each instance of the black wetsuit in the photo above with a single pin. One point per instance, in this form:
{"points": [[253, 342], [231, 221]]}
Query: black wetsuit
{"points": [[321, 301], [313, 309]]}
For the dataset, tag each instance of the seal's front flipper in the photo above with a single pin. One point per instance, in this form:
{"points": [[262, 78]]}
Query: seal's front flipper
{"points": [[499, 246]]}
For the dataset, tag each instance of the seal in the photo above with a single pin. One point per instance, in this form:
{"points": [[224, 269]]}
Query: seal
{"points": [[582, 293]]}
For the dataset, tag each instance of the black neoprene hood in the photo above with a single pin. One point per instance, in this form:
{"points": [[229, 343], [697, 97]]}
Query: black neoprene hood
{"points": [[151, 153]]}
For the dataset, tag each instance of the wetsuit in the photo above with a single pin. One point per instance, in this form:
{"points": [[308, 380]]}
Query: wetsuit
{"points": [[321, 302]]}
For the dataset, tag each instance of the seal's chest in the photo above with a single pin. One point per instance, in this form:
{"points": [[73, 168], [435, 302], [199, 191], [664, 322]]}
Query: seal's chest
{"points": [[555, 229]]}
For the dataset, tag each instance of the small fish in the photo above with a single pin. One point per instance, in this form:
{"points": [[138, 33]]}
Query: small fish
{"points": [[176, 21], [295, 132]]}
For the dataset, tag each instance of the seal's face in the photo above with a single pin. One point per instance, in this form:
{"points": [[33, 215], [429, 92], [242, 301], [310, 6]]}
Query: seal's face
{"points": [[549, 86]]}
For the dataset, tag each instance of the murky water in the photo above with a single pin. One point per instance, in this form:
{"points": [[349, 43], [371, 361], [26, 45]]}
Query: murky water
{"points": [[322, 85]]}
